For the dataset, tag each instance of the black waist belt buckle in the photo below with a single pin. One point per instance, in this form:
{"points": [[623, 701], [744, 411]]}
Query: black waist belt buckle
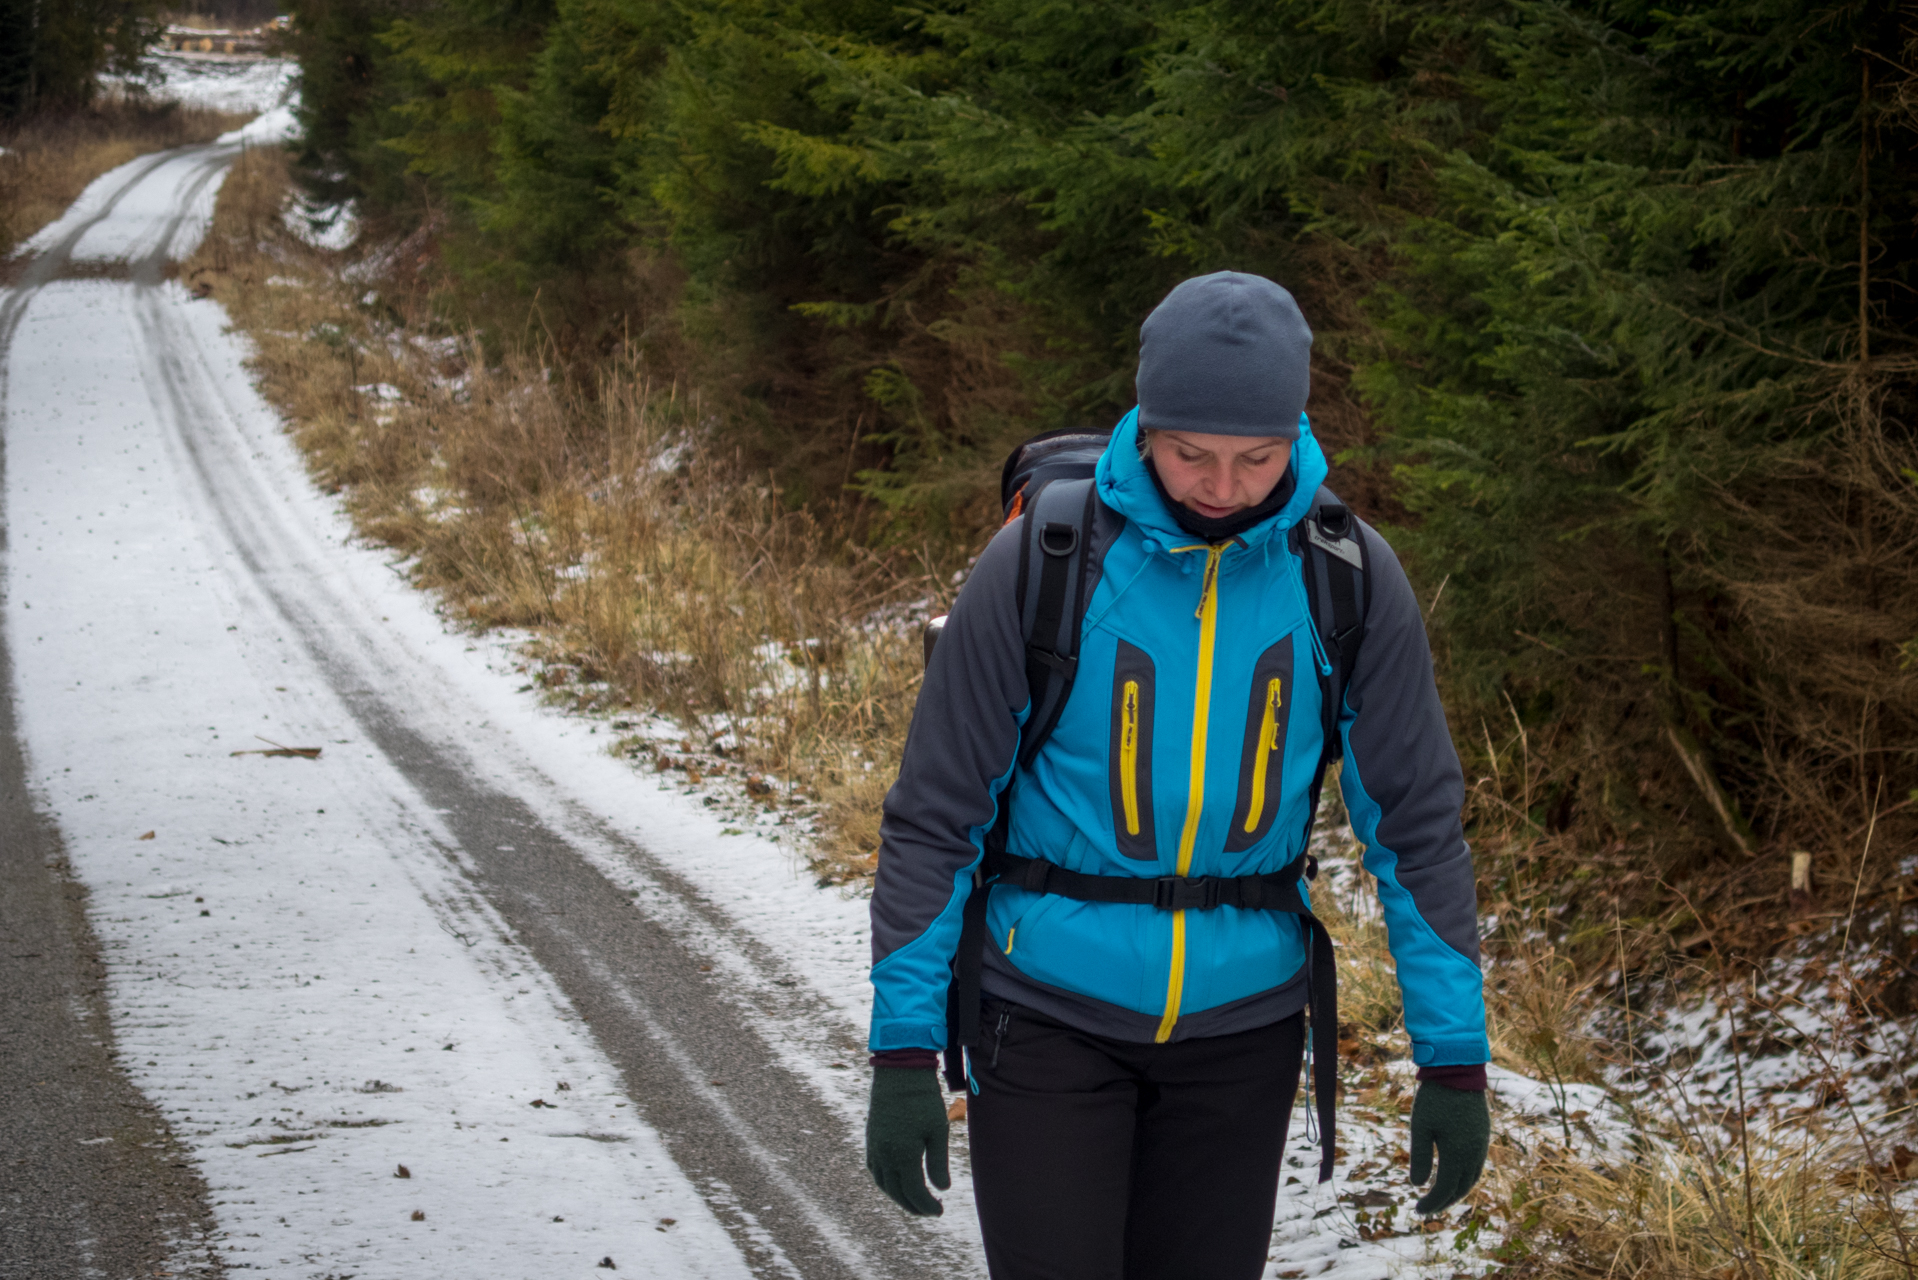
{"points": [[1181, 893]]}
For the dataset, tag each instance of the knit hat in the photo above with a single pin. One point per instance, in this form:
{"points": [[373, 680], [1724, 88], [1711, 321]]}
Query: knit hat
{"points": [[1226, 354]]}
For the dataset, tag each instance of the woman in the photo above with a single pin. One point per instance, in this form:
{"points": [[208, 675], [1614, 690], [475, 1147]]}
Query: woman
{"points": [[1133, 1086]]}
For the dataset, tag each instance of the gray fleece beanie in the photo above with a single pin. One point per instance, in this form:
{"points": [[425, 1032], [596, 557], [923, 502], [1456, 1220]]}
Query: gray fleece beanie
{"points": [[1226, 354]]}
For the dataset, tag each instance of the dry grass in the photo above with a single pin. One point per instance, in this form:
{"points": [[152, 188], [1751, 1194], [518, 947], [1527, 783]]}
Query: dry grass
{"points": [[1691, 1191], [651, 568], [1697, 1191], [1714, 1176], [1691, 1210], [50, 159]]}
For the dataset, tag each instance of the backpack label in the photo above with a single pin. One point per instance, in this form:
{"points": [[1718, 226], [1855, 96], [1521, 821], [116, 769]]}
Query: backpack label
{"points": [[1346, 549]]}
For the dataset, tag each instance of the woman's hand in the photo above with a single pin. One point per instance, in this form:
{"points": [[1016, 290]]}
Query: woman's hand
{"points": [[905, 1131], [1459, 1124]]}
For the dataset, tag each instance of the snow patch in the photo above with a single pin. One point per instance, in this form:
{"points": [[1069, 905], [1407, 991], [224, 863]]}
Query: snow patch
{"points": [[242, 85], [324, 226], [272, 126]]}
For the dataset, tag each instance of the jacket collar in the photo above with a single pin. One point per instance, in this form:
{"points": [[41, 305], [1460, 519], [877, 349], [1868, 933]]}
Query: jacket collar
{"points": [[1126, 486]]}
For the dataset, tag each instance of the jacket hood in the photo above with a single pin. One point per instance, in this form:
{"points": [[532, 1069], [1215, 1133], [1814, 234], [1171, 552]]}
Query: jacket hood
{"points": [[1126, 486]]}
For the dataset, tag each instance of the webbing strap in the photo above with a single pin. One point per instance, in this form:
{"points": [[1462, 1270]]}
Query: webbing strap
{"points": [[1342, 648], [1329, 556], [1058, 538], [1055, 569], [1278, 891], [1322, 1002]]}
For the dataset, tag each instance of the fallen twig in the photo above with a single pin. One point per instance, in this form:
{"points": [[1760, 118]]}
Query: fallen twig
{"points": [[304, 753]]}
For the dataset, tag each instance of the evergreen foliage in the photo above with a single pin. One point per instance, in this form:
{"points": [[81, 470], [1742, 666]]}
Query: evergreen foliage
{"points": [[1614, 304], [52, 52]]}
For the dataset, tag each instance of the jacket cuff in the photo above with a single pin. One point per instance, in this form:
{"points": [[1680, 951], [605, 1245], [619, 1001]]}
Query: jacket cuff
{"points": [[899, 1034], [1466, 1079], [926, 1058], [1447, 1053]]}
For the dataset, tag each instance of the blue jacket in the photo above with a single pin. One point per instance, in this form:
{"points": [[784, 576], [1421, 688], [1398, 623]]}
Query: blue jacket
{"points": [[1187, 747]]}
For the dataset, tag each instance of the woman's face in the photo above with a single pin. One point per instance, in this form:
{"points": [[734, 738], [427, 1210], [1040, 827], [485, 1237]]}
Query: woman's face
{"points": [[1219, 475]]}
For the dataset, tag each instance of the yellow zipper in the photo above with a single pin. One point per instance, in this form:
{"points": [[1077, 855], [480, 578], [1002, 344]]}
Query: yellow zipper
{"points": [[1268, 742], [1129, 755], [1208, 616]]}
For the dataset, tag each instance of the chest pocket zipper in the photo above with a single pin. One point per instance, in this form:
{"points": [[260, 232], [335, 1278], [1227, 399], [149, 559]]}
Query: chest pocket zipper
{"points": [[1262, 750], [1268, 743], [1129, 755]]}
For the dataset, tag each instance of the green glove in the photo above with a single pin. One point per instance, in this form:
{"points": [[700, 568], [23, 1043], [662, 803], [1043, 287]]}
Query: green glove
{"points": [[906, 1125], [1459, 1124]]}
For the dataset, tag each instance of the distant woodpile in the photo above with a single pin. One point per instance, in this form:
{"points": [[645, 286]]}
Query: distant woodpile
{"points": [[255, 42]]}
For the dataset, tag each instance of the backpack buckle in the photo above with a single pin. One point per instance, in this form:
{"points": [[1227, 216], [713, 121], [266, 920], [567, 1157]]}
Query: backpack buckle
{"points": [[1059, 538], [1067, 666]]}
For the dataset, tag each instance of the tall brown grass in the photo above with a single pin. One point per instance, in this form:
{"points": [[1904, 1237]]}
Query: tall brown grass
{"points": [[50, 158]]}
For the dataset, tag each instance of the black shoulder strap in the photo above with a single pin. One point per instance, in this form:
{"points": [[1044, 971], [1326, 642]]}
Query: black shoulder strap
{"points": [[1058, 541], [1337, 551], [1338, 586]]}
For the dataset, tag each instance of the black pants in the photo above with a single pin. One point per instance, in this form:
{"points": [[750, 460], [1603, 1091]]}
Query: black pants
{"points": [[1096, 1159]]}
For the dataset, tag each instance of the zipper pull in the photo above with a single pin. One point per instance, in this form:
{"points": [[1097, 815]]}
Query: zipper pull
{"points": [[999, 1035]]}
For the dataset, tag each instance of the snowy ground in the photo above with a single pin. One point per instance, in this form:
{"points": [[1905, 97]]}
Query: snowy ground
{"points": [[222, 83], [302, 974]]}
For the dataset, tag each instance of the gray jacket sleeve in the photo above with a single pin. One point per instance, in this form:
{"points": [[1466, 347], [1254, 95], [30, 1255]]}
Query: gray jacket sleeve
{"points": [[959, 756], [1404, 790]]}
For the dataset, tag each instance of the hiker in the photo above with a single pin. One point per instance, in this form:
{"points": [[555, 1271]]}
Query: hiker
{"points": [[1098, 834]]}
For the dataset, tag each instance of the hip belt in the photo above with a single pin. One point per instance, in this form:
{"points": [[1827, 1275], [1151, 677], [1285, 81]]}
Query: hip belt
{"points": [[1278, 891]]}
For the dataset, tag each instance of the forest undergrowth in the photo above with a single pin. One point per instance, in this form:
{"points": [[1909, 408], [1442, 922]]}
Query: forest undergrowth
{"points": [[48, 158], [1722, 1083]]}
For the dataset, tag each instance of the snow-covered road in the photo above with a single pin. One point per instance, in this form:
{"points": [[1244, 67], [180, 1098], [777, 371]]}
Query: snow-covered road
{"points": [[462, 996]]}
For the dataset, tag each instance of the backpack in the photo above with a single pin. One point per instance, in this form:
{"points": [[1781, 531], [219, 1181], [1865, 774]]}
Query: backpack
{"points": [[1048, 484]]}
